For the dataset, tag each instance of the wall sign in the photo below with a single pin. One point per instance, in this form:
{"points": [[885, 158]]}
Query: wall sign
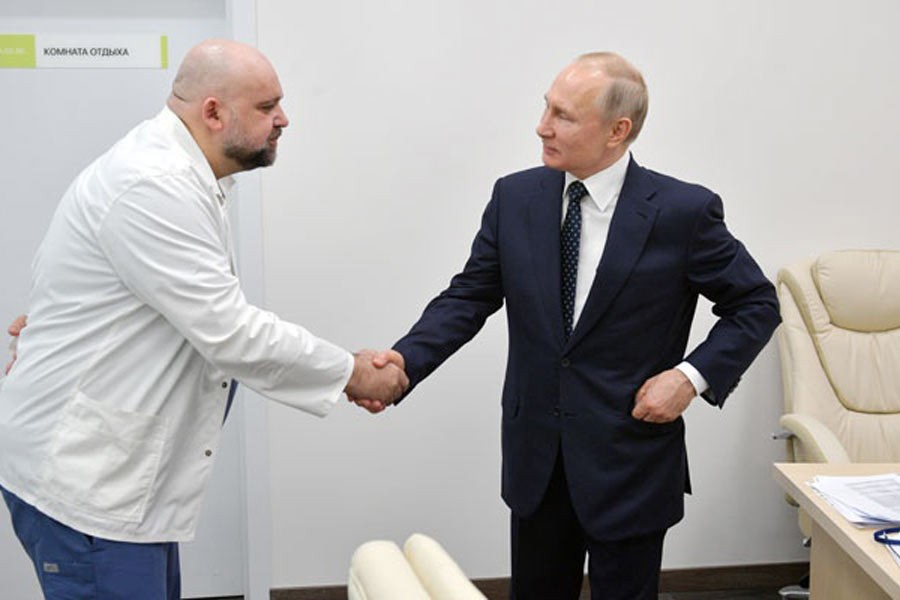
{"points": [[83, 51]]}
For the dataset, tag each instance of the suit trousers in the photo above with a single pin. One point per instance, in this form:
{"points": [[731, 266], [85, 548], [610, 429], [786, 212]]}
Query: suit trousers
{"points": [[73, 566], [548, 552]]}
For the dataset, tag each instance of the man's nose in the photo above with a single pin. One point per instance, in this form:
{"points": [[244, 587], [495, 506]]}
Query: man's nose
{"points": [[281, 119], [543, 128]]}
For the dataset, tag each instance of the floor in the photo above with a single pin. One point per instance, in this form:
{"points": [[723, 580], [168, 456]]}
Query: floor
{"points": [[726, 595], [756, 594], [746, 594], [766, 594], [723, 595]]}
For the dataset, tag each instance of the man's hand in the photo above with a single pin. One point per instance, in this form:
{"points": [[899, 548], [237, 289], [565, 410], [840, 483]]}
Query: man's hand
{"points": [[663, 397], [378, 379], [14, 329]]}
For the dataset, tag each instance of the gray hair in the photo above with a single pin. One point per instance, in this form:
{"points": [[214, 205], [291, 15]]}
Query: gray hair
{"points": [[626, 95]]}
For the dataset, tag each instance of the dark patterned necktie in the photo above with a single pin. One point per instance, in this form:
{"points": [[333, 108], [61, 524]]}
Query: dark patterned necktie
{"points": [[570, 241]]}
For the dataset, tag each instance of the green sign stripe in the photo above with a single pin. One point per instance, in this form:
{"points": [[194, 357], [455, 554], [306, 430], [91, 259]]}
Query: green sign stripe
{"points": [[164, 51], [17, 51]]}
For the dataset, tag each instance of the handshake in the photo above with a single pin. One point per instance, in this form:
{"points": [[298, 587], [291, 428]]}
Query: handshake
{"points": [[378, 379]]}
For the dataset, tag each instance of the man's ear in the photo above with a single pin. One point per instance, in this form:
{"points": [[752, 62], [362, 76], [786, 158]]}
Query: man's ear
{"points": [[211, 111], [620, 131]]}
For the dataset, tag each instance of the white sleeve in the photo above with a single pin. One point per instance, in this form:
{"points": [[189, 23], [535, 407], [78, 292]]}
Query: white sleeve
{"points": [[697, 380], [166, 242]]}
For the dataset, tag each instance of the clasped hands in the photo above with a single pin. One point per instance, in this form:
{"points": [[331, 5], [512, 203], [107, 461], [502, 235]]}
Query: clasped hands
{"points": [[378, 379]]}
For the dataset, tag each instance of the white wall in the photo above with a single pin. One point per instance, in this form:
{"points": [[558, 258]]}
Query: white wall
{"points": [[404, 113]]}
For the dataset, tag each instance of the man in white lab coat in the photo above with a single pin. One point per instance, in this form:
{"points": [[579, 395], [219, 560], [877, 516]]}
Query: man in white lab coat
{"points": [[110, 420]]}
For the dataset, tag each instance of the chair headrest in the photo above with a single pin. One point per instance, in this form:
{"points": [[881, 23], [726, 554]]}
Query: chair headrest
{"points": [[860, 288]]}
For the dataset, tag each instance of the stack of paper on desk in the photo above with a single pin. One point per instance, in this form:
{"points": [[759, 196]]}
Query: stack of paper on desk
{"points": [[864, 501]]}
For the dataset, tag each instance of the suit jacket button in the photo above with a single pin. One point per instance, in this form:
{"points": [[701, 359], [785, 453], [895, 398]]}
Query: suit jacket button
{"points": [[565, 363], [555, 411]]}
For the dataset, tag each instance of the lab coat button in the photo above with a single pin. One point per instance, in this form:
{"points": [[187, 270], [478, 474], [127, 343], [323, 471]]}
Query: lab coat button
{"points": [[208, 453], [224, 384]]}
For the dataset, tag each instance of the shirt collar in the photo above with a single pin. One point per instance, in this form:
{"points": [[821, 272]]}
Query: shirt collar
{"points": [[220, 188], [604, 187]]}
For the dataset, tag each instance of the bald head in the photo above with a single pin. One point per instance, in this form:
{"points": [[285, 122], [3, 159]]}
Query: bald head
{"points": [[219, 68], [228, 95]]}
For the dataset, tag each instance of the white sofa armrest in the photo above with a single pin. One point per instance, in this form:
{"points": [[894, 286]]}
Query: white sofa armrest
{"points": [[379, 571], [438, 572]]}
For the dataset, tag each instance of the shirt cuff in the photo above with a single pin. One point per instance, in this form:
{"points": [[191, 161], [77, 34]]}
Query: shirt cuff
{"points": [[697, 380]]}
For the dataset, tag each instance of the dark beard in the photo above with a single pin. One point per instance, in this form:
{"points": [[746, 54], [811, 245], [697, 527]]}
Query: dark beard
{"points": [[250, 159]]}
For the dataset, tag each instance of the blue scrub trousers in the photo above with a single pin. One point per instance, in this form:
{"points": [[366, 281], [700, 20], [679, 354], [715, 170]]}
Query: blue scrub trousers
{"points": [[73, 566]]}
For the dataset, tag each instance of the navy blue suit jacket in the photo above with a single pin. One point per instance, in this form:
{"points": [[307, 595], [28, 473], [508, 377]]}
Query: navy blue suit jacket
{"points": [[667, 244]]}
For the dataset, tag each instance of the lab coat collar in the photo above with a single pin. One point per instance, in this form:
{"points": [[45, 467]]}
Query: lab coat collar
{"points": [[220, 188]]}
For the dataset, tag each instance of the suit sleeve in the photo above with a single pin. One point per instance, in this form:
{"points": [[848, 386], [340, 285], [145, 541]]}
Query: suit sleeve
{"points": [[722, 270], [459, 312]]}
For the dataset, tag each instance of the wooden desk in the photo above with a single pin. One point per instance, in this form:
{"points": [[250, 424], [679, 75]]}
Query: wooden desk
{"points": [[845, 562]]}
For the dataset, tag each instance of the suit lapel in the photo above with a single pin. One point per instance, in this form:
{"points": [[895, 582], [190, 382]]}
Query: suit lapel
{"points": [[628, 231], [544, 217]]}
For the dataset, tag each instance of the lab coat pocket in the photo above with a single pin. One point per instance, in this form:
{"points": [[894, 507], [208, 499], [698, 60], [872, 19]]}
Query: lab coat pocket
{"points": [[105, 460]]}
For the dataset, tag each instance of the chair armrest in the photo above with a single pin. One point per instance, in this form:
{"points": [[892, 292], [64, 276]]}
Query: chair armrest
{"points": [[817, 442], [437, 571], [379, 571]]}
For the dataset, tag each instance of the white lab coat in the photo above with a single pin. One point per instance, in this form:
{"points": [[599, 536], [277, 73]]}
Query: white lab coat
{"points": [[110, 419]]}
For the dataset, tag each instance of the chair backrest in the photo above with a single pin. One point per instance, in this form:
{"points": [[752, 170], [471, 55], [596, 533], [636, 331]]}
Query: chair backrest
{"points": [[840, 347]]}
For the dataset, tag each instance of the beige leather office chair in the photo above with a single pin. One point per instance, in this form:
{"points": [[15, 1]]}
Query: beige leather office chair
{"points": [[840, 358], [422, 571]]}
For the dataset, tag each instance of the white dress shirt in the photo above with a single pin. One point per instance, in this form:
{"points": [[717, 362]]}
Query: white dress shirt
{"points": [[596, 214], [110, 419]]}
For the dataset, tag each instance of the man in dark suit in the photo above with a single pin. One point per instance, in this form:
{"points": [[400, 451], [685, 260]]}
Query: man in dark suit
{"points": [[600, 263]]}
